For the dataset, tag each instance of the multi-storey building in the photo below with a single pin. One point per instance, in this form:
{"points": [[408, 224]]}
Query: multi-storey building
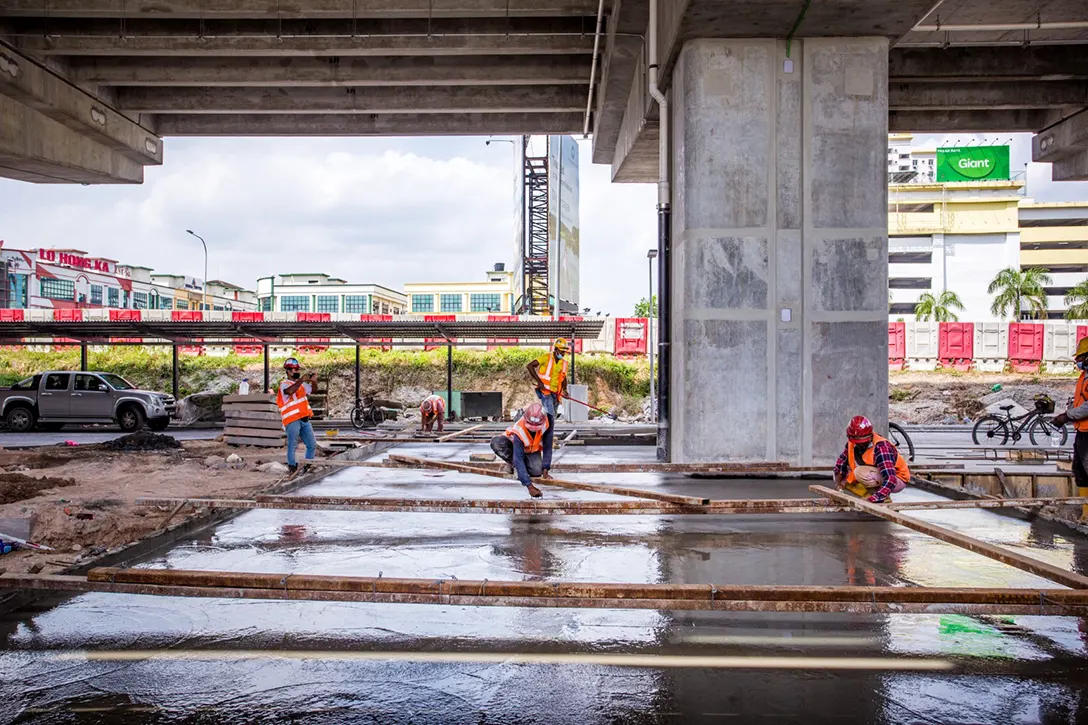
{"points": [[494, 296], [316, 292]]}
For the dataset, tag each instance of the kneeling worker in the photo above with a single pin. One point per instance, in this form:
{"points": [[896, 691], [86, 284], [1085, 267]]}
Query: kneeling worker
{"points": [[527, 446], [433, 408], [870, 467]]}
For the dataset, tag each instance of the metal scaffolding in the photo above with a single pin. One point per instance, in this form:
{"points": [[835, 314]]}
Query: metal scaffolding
{"points": [[535, 264]]}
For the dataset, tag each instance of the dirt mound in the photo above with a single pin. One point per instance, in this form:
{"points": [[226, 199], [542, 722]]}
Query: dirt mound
{"points": [[19, 487], [143, 441]]}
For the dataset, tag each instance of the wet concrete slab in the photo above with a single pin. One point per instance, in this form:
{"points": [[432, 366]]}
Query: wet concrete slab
{"points": [[303, 662]]}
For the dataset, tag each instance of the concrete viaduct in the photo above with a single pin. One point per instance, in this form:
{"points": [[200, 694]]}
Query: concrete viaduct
{"points": [[770, 156]]}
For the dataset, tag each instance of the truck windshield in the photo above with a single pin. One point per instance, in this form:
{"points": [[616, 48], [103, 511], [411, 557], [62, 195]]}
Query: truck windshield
{"points": [[117, 382]]}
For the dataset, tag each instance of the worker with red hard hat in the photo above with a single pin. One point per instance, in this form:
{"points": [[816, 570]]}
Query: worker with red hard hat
{"points": [[432, 410], [1077, 414], [870, 466], [527, 446]]}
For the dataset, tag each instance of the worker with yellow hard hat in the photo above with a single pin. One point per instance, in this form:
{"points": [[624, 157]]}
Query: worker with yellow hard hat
{"points": [[548, 374], [1078, 415]]}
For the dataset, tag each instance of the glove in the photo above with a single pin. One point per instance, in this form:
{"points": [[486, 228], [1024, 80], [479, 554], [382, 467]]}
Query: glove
{"points": [[1060, 419], [876, 498]]}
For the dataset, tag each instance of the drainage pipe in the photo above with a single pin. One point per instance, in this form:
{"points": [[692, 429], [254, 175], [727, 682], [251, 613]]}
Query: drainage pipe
{"points": [[664, 236], [1000, 27], [593, 66]]}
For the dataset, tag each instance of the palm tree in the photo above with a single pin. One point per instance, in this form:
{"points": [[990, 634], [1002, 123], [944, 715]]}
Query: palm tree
{"points": [[1015, 288], [938, 309], [1077, 302]]}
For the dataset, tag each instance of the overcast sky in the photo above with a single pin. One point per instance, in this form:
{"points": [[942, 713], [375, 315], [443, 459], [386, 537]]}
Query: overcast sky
{"points": [[387, 211]]}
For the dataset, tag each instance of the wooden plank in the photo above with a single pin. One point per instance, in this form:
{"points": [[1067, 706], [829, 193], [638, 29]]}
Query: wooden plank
{"points": [[557, 482], [451, 436], [247, 441], [255, 433], [259, 407], [252, 414], [255, 423], [255, 398], [1011, 558]]}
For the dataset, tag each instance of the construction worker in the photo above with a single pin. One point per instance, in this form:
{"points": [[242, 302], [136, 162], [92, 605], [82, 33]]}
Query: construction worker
{"points": [[433, 408], [527, 446], [870, 466], [295, 411], [1078, 415], [549, 376]]}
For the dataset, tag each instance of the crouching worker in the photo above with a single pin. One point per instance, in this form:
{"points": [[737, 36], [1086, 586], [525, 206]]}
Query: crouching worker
{"points": [[870, 466], [432, 409], [527, 446]]}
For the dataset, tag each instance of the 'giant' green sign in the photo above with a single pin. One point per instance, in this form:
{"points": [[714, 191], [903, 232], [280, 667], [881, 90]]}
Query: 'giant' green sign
{"points": [[973, 163]]}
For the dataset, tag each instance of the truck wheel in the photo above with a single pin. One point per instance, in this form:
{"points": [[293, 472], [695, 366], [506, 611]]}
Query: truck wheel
{"points": [[158, 424], [20, 419], [131, 419]]}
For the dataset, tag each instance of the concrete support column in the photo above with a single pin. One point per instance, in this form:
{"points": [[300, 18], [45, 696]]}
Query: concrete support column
{"points": [[780, 247]]}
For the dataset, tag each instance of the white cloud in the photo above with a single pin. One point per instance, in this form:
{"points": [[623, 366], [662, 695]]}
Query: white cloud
{"points": [[387, 211]]}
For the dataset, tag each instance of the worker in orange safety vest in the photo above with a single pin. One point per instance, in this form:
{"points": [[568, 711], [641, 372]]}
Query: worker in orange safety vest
{"points": [[295, 411], [527, 446], [870, 466], [548, 374], [1078, 416], [432, 410]]}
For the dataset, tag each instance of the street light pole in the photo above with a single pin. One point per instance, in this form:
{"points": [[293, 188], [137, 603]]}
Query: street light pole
{"points": [[190, 231], [650, 334]]}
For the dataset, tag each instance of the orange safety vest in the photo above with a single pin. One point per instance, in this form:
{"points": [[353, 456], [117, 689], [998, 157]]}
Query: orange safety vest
{"points": [[547, 371], [437, 401], [533, 442], [1079, 397], [294, 408], [869, 459]]}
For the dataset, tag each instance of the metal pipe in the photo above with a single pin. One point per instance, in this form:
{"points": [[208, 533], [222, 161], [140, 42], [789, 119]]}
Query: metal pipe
{"points": [[174, 376], [593, 66], [664, 236], [650, 333], [998, 27], [449, 381], [83, 358], [267, 377], [356, 375]]}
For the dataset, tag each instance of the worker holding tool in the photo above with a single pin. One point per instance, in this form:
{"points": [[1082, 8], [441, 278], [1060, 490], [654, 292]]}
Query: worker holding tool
{"points": [[527, 446], [549, 376], [433, 408], [296, 412], [870, 466], [1078, 414]]}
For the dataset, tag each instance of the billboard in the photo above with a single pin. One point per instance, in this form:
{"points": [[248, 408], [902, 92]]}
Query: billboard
{"points": [[973, 163], [564, 241]]}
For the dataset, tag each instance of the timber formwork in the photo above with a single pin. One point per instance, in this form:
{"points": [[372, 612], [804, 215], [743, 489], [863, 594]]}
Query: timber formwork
{"points": [[1070, 601]]}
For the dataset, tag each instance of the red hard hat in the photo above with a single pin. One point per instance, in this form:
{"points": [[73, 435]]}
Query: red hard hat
{"points": [[291, 364], [860, 430], [534, 417]]}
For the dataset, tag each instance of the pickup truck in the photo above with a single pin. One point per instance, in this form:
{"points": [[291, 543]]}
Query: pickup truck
{"points": [[53, 399]]}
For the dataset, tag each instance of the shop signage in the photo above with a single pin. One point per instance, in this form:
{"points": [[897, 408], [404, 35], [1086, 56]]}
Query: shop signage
{"points": [[66, 259], [973, 163]]}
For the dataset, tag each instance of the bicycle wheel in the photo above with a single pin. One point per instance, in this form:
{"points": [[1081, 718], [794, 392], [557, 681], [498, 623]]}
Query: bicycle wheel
{"points": [[990, 430], [1044, 433], [357, 419], [901, 440], [377, 415]]}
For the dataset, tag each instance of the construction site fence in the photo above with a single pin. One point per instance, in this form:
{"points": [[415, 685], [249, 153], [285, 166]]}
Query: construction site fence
{"points": [[621, 336], [1023, 347]]}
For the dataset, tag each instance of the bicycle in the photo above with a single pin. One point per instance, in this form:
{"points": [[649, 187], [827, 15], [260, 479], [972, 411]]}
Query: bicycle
{"points": [[996, 430], [366, 412], [900, 439]]}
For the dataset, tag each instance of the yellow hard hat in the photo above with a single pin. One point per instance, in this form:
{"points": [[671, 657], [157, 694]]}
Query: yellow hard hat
{"points": [[1082, 348], [563, 346]]}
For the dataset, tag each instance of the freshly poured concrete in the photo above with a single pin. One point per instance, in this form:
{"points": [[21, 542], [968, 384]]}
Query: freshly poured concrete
{"points": [[1004, 669]]}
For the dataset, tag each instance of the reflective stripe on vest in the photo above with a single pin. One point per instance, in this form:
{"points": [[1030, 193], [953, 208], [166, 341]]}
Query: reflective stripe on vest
{"points": [[438, 403], [546, 376], [868, 458], [1080, 395], [294, 408], [532, 441]]}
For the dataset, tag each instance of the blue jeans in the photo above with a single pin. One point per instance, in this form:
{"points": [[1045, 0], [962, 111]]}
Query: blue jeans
{"points": [[303, 429], [550, 401]]}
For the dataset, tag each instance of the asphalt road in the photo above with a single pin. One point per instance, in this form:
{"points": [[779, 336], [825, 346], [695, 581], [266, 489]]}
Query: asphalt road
{"points": [[84, 436]]}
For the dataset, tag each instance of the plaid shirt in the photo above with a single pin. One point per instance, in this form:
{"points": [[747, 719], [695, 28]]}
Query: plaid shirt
{"points": [[884, 458]]}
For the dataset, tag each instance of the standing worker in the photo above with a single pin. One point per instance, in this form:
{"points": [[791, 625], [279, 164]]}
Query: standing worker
{"points": [[1078, 414], [549, 376], [527, 446], [295, 411], [870, 466], [433, 408]]}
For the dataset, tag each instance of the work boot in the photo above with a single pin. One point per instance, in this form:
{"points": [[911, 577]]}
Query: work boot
{"points": [[292, 470], [306, 468], [534, 491]]}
